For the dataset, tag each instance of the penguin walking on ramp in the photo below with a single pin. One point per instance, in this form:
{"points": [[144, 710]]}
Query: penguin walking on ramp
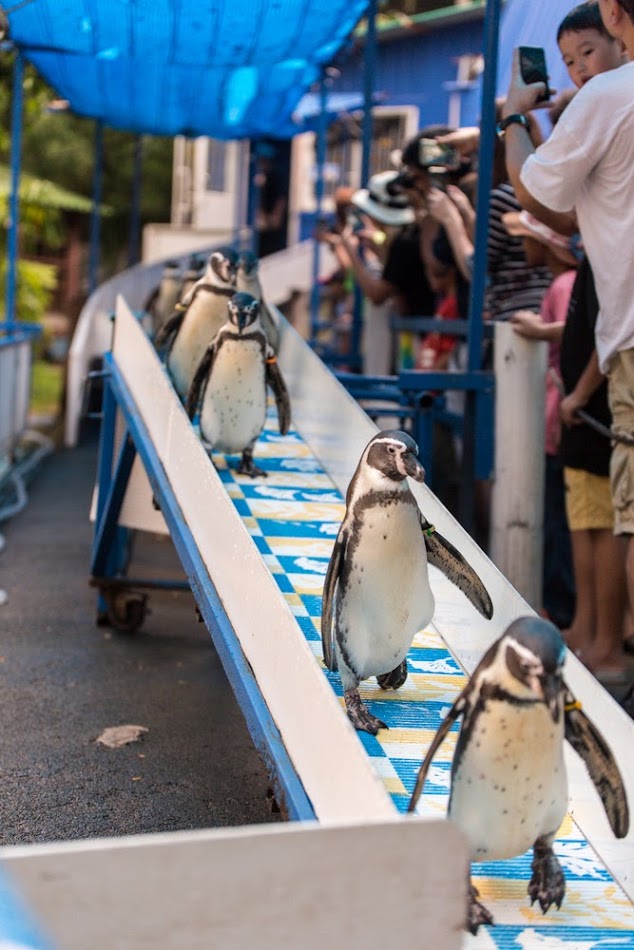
{"points": [[197, 318], [248, 280], [376, 592], [231, 382], [509, 788]]}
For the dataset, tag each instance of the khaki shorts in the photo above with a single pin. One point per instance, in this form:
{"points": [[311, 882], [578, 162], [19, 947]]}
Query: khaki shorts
{"points": [[588, 501], [621, 398]]}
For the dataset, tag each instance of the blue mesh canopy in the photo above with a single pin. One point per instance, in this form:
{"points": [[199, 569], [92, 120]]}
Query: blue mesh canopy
{"points": [[225, 68]]}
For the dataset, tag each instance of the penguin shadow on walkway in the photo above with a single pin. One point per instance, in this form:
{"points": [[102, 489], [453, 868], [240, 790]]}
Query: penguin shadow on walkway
{"points": [[229, 389], [509, 787], [377, 594]]}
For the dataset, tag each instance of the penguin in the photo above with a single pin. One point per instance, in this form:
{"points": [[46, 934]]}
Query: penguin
{"points": [[231, 381], [509, 788], [248, 280], [195, 270], [162, 301], [376, 591], [198, 317]]}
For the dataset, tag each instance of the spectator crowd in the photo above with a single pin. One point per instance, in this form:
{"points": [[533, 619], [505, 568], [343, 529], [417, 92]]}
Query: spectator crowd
{"points": [[560, 255]]}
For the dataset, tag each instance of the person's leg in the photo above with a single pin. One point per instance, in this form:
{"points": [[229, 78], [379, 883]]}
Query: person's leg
{"points": [[580, 634], [610, 584], [558, 595]]}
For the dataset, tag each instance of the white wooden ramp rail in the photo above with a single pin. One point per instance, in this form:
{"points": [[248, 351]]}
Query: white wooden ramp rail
{"points": [[352, 886]]}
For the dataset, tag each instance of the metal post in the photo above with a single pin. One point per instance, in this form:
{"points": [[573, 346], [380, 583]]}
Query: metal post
{"points": [[95, 215], [134, 240], [14, 196], [369, 71], [320, 157], [254, 197], [478, 282]]}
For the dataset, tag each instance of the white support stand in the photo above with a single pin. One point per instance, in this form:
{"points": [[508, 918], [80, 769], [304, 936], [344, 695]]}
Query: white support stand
{"points": [[352, 885], [517, 512]]}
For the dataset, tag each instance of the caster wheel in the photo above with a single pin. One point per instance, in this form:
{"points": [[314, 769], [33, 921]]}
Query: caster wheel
{"points": [[126, 612]]}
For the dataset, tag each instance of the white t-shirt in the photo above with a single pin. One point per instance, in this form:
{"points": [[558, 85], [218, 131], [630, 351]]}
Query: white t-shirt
{"points": [[588, 164]]}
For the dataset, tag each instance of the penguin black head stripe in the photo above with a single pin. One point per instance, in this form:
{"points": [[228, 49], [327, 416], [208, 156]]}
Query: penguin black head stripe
{"points": [[535, 654], [224, 264], [248, 263], [394, 454], [243, 310]]}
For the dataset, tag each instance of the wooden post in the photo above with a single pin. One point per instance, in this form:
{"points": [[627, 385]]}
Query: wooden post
{"points": [[517, 510]]}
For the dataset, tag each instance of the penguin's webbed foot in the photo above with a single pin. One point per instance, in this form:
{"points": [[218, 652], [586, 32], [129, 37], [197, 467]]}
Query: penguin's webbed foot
{"points": [[477, 914], [395, 678], [547, 885], [246, 466], [360, 717]]}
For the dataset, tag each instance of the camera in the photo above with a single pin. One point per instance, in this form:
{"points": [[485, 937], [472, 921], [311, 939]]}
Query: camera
{"points": [[433, 155], [354, 221], [403, 181]]}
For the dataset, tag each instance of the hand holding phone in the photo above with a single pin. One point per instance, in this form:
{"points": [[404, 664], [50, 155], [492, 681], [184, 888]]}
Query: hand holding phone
{"points": [[533, 68]]}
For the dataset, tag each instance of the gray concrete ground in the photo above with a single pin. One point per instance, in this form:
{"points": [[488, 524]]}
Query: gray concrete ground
{"points": [[64, 680]]}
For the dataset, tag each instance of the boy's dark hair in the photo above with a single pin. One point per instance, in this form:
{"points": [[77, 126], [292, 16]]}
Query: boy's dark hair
{"points": [[586, 16]]}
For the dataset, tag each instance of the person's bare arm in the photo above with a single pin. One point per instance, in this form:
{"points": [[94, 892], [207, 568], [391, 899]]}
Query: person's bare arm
{"points": [[522, 99], [587, 384], [375, 289]]}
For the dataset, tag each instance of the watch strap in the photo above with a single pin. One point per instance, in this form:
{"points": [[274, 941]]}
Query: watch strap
{"points": [[515, 119]]}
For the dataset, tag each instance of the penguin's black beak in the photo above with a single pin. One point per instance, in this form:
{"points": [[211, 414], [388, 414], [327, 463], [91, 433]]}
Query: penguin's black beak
{"points": [[551, 690], [413, 467], [242, 320]]}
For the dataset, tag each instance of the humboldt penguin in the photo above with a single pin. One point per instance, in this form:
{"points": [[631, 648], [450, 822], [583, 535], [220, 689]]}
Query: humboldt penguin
{"points": [[198, 317], [376, 592], [161, 303], [248, 280], [509, 788], [231, 382]]}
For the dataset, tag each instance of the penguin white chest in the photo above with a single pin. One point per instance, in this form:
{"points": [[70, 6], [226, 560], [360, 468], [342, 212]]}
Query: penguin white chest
{"points": [[509, 785], [387, 597], [233, 408], [202, 321]]}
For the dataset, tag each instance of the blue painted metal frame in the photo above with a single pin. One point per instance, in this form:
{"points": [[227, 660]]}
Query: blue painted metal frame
{"points": [[288, 786], [14, 195]]}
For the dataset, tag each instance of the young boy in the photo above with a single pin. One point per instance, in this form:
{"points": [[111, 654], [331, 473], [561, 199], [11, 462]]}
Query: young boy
{"points": [[599, 566]]}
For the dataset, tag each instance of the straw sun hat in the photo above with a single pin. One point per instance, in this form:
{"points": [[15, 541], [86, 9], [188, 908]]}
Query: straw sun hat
{"points": [[378, 203]]}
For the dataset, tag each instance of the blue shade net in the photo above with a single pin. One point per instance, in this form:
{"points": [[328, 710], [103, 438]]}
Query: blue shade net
{"points": [[228, 69]]}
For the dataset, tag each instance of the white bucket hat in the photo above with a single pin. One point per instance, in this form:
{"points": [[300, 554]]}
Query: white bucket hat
{"points": [[378, 203]]}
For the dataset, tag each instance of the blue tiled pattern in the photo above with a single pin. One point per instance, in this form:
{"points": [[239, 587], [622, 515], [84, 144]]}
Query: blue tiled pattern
{"points": [[293, 517]]}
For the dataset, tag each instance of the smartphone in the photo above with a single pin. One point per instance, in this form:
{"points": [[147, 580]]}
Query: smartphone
{"points": [[431, 153], [533, 68]]}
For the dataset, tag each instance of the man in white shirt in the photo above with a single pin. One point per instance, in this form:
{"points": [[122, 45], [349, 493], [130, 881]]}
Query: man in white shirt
{"points": [[586, 168]]}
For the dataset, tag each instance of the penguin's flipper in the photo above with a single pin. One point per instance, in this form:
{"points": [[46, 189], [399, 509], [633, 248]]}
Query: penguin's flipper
{"points": [[201, 374], [169, 329], [282, 400], [328, 600], [443, 555], [588, 743], [454, 713]]}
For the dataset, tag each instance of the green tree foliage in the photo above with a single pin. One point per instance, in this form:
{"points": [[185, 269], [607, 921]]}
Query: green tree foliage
{"points": [[59, 146]]}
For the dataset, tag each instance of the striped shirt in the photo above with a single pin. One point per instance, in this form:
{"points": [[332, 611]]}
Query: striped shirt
{"points": [[512, 284]]}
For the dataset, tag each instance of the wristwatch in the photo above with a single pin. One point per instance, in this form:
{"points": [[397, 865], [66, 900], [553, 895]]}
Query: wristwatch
{"points": [[515, 119]]}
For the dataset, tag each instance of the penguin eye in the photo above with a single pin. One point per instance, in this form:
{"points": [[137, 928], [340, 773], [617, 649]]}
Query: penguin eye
{"points": [[391, 449]]}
